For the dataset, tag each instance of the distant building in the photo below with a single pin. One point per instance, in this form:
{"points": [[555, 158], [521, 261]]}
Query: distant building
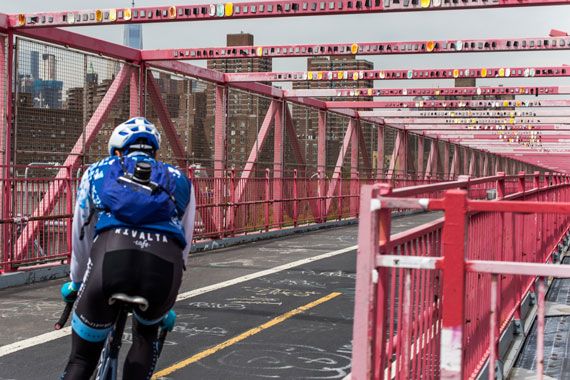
{"points": [[132, 36], [245, 112]]}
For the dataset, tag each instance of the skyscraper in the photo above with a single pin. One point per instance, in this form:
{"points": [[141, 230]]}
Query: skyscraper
{"points": [[132, 36]]}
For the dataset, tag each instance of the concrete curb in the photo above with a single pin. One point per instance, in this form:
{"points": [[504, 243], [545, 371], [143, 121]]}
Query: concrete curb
{"points": [[47, 273], [229, 242]]}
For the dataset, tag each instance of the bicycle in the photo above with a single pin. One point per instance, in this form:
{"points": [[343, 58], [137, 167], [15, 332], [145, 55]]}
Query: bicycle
{"points": [[108, 362]]}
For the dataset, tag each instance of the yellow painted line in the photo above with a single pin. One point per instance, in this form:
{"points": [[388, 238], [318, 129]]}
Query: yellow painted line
{"points": [[242, 336]]}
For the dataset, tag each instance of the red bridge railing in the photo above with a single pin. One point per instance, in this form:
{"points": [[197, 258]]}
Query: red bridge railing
{"points": [[432, 302], [220, 211]]}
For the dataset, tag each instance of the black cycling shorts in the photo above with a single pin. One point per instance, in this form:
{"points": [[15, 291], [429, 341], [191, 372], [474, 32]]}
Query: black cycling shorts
{"points": [[137, 263]]}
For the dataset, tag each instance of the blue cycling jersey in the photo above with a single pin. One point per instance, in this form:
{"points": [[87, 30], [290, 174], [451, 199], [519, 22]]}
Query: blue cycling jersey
{"points": [[89, 213]]}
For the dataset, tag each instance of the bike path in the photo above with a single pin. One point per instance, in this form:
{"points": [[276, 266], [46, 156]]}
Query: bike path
{"points": [[314, 343]]}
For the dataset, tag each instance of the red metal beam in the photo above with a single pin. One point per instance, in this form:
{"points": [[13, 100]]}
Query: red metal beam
{"points": [[6, 91], [278, 167], [4, 23], [478, 121], [248, 170], [450, 73], [380, 152], [247, 10], [73, 160], [293, 140], [420, 163], [446, 160], [430, 159], [419, 91], [190, 70], [364, 151], [453, 289], [454, 171], [395, 154], [445, 104], [354, 187], [471, 114], [83, 43], [135, 105], [220, 157], [338, 167], [485, 127], [361, 48]]}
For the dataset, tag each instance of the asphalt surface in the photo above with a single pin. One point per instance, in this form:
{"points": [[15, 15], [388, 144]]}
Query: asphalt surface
{"points": [[286, 343]]}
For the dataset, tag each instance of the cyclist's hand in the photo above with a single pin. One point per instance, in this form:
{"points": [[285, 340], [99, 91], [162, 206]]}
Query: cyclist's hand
{"points": [[69, 291], [168, 321]]}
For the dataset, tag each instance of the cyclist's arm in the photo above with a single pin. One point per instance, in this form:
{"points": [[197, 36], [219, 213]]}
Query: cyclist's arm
{"points": [[188, 223], [81, 246]]}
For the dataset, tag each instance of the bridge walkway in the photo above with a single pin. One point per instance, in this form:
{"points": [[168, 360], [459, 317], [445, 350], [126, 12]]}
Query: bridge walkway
{"points": [[279, 308]]}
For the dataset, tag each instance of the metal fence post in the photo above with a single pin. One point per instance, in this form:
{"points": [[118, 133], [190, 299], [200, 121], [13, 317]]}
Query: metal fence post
{"points": [[454, 247], [339, 198], [521, 183], [382, 287], [321, 196], [501, 185], [295, 199], [364, 352], [267, 199], [69, 206], [233, 207]]}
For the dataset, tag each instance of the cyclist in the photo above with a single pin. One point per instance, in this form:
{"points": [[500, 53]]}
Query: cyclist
{"points": [[123, 246]]}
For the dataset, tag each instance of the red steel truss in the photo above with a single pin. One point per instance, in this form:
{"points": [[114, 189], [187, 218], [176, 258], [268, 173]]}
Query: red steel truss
{"points": [[448, 73], [361, 48], [443, 91], [445, 104], [249, 9]]}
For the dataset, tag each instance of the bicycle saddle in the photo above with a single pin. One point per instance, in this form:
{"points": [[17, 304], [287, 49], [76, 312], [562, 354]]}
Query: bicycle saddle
{"points": [[141, 302]]}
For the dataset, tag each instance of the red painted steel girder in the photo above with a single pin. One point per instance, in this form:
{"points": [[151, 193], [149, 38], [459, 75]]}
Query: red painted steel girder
{"points": [[361, 48], [84, 43], [483, 137], [250, 9], [447, 73], [445, 104], [444, 91], [479, 122], [520, 112], [490, 127]]}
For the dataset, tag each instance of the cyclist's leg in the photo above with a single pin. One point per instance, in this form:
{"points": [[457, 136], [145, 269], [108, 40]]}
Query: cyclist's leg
{"points": [[160, 274], [83, 358], [143, 354], [92, 318]]}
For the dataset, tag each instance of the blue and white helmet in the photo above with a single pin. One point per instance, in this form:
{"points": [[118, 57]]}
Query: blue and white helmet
{"points": [[128, 133]]}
